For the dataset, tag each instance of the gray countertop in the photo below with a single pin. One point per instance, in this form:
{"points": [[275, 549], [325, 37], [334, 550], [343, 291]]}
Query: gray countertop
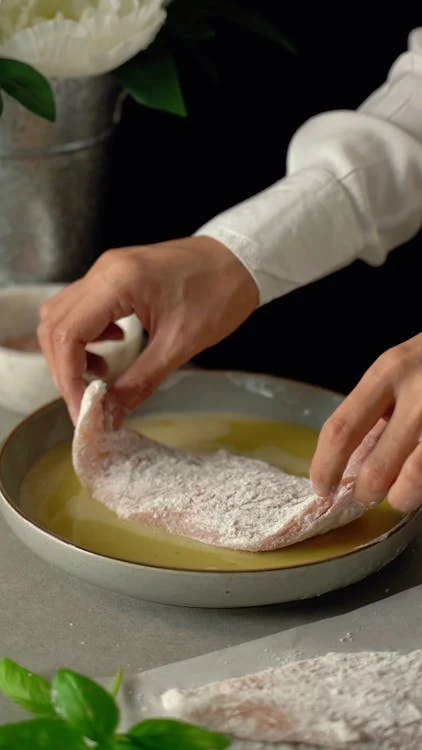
{"points": [[48, 619]]}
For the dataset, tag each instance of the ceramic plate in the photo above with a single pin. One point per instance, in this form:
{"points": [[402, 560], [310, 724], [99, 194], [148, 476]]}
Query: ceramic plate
{"points": [[187, 391]]}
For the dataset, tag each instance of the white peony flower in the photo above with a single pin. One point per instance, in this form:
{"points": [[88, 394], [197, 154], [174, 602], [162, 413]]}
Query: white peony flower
{"points": [[73, 38]]}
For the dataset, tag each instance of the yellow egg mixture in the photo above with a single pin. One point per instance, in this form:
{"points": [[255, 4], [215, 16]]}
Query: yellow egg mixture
{"points": [[52, 496]]}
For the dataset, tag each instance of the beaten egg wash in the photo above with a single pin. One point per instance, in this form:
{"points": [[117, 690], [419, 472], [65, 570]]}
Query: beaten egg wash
{"points": [[53, 497]]}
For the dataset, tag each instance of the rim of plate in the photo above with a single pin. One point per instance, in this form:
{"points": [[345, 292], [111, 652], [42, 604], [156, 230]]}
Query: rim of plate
{"points": [[165, 568]]}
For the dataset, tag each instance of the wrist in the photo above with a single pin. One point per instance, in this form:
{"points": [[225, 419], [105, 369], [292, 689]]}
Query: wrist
{"points": [[230, 265]]}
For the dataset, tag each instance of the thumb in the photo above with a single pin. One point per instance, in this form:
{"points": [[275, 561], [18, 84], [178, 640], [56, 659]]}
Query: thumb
{"points": [[142, 378]]}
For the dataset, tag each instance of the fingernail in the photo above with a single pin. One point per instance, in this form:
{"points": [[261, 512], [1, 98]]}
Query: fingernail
{"points": [[323, 490]]}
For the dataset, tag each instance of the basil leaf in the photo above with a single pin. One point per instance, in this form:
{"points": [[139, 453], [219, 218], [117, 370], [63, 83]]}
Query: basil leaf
{"points": [[40, 734], [167, 734], [30, 691], [152, 79], [117, 682], [27, 86], [86, 706], [119, 742]]}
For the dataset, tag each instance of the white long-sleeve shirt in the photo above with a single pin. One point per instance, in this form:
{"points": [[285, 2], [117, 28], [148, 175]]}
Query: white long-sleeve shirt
{"points": [[352, 190]]}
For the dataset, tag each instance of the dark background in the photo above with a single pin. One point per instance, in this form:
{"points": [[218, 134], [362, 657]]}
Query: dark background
{"points": [[171, 174]]}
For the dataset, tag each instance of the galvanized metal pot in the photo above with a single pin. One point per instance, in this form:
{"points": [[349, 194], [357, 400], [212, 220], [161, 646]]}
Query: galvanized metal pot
{"points": [[53, 182]]}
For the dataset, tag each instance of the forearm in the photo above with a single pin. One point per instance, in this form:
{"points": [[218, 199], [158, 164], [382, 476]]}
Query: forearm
{"points": [[353, 189]]}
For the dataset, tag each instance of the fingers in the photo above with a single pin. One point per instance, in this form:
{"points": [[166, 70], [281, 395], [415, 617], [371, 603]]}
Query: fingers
{"points": [[345, 430], [406, 493], [68, 323], [51, 311], [387, 464], [156, 363], [386, 461]]}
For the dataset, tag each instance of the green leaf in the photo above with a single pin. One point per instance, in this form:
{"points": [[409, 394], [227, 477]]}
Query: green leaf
{"points": [[27, 86], [152, 79], [249, 20], [1, 104], [117, 682], [193, 52], [86, 706], [40, 734], [167, 734], [28, 690], [188, 27], [199, 30]]}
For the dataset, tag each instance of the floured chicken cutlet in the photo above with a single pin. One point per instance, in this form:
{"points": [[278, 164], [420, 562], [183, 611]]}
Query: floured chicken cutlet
{"points": [[218, 499], [366, 700]]}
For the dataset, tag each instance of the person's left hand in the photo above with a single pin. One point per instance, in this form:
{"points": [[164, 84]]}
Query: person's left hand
{"points": [[390, 389]]}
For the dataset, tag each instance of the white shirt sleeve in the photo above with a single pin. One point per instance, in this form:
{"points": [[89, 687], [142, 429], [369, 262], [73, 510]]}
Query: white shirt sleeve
{"points": [[353, 189]]}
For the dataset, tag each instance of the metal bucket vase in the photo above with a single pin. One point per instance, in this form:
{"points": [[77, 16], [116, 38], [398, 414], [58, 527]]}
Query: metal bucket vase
{"points": [[53, 182]]}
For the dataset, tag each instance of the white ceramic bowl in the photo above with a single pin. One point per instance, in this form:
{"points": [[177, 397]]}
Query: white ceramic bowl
{"points": [[25, 382], [189, 391]]}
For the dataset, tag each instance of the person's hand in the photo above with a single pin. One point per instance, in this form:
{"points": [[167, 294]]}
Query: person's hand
{"points": [[189, 295], [390, 389]]}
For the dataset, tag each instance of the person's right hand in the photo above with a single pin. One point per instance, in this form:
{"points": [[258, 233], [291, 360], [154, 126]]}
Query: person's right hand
{"points": [[385, 409], [189, 294]]}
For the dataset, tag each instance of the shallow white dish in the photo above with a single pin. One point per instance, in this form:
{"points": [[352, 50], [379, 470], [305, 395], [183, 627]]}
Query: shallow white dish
{"points": [[25, 382], [188, 391]]}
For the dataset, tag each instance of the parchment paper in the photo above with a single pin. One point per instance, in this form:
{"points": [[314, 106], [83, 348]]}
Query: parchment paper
{"points": [[378, 626]]}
